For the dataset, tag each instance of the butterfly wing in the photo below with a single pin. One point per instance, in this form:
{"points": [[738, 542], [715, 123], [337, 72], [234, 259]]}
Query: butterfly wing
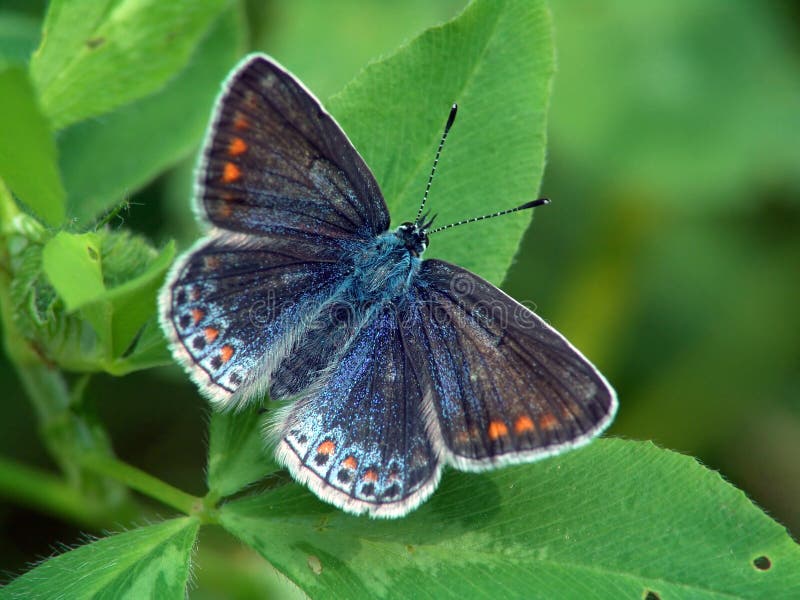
{"points": [[288, 198], [503, 386], [234, 305], [274, 160], [360, 442]]}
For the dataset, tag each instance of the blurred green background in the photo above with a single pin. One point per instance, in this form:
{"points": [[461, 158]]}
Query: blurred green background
{"points": [[670, 255]]}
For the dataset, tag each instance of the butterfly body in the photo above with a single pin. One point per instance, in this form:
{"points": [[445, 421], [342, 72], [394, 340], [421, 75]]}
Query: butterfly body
{"points": [[384, 270], [396, 366]]}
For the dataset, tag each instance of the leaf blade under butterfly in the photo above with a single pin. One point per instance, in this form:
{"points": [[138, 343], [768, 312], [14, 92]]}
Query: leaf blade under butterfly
{"points": [[496, 61], [237, 454], [614, 520]]}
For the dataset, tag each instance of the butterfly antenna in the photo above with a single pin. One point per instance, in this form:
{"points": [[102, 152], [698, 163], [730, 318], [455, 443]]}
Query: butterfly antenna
{"points": [[447, 126], [531, 204]]}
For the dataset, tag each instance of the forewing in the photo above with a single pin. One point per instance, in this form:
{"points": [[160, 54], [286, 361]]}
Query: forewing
{"points": [[502, 385], [360, 442], [274, 160], [234, 304]]}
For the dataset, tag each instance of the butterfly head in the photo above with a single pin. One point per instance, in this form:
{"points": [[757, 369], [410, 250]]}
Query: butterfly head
{"points": [[414, 236]]}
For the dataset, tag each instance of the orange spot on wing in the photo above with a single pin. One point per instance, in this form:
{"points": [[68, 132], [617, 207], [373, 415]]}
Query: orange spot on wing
{"points": [[240, 123], [326, 447], [497, 429], [237, 147], [225, 211], [371, 475], [226, 352], [211, 334], [212, 262], [230, 173], [462, 437], [548, 421], [197, 314], [250, 99], [523, 424], [350, 463]]}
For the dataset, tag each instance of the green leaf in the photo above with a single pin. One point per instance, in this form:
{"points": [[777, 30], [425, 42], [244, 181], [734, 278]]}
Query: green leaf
{"points": [[19, 34], [72, 263], [98, 55], [150, 562], [104, 160], [133, 302], [614, 520], [237, 454], [27, 150], [496, 61], [150, 351], [382, 27], [113, 278]]}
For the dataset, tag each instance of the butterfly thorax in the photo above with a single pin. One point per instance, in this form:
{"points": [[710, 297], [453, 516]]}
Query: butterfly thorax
{"points": [[386, 268]]}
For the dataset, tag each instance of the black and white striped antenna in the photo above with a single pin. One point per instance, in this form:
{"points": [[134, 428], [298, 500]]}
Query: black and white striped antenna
{"points": [[447, 126], [450, 119], [531, 204]]}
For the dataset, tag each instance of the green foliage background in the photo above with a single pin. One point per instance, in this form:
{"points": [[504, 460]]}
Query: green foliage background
{"points": [[669, 256]]}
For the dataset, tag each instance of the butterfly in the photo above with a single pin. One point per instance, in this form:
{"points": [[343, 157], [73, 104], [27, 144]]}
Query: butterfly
{"points": [[395, 366]]}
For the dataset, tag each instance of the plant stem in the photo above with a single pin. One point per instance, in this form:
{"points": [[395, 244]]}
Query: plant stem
{"points": [[69, 434], [48, 493], [75, 438], [67, 430], [143, 482]]}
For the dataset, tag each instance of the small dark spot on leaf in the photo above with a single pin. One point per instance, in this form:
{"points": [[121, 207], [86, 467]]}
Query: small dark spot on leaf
{"points": [[322, 524], [651, 595], [92, 252], [762, 563], [410, 548], [314, 564], [93, 43]]}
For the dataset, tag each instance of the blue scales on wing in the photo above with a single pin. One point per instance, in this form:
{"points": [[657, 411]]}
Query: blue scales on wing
{"points": [[287, 198], [246, 299], [360, 441], [502, 385]]}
